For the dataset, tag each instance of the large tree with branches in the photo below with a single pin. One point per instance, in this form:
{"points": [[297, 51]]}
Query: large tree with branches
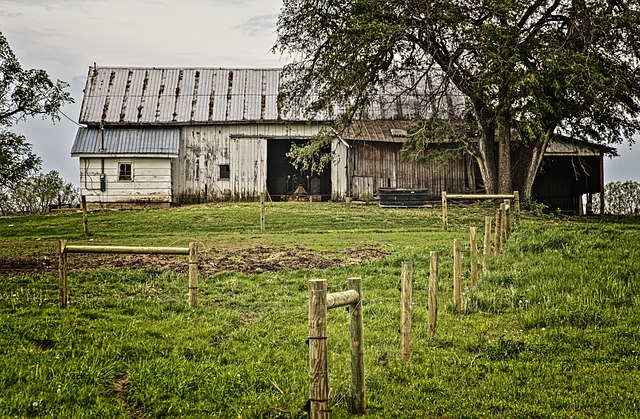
{"points": [[529, 70], [23, 94]]}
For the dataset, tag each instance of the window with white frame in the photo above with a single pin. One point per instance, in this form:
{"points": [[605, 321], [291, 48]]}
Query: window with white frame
{"points": [[125, 171]]}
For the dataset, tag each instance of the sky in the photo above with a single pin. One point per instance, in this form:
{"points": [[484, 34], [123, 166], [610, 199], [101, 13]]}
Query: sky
{"points": [[66, 37]]}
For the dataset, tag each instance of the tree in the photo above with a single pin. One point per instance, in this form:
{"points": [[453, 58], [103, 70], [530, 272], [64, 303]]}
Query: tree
{"points": [[529, 69], [621, 198], [17, 161], [23, 94], [38, 193]]}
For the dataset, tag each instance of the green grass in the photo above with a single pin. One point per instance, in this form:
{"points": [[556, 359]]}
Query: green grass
{"points": [[551, 331]]}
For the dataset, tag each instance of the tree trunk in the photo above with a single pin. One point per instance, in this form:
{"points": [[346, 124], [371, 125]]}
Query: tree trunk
{"points": [[487, 157], [505, 185], [528, 162]]}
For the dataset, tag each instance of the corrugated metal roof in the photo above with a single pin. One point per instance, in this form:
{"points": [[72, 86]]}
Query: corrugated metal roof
{"points": [[180, 96], [389, 131], [164, 141]]}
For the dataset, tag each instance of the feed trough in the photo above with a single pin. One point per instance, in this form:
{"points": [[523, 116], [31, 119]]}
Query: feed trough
{"points": [[403, 198]]}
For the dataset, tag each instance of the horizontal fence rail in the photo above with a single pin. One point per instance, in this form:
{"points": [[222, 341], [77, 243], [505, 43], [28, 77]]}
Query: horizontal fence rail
{"points": [[191, 251], [130, 250], [341, 299], [515, 196]]}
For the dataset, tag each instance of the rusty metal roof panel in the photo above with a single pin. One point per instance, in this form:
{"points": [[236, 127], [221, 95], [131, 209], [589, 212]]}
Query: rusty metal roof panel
{"points": [[223, 78], [236, 97], [125, 96], [389, 131], [201, 97], [159, 141], [270, 96]]}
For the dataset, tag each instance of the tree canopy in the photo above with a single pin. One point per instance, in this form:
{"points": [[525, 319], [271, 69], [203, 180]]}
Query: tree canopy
{"points": [[529, 69], [23, 94]]}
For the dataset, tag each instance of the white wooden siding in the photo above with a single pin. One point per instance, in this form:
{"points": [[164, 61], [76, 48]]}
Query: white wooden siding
{"points": [[151, 182], [249, 163], [339, 170], [241, 146]]}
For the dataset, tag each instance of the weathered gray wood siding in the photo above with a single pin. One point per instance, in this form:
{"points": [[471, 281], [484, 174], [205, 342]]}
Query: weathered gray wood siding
{"points": [[339, 170], [243, 147], [379, 165], [150, 184]]}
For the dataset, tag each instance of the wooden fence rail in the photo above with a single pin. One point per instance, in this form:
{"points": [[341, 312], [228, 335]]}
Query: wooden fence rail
{"points": [[319, 303], [191, 251], [445, 197]]}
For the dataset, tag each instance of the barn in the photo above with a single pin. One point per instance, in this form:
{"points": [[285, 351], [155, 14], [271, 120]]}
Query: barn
{"points": [[160, 136]]}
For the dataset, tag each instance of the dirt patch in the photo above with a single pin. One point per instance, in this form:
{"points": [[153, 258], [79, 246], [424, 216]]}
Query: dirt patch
{"points": [[250, 260]]}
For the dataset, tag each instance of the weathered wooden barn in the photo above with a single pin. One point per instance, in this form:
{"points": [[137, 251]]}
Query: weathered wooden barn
{"points": [[159, 136]]}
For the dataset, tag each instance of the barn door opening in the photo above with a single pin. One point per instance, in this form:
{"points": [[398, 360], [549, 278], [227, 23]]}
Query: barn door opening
{"points": [[284, 182]]}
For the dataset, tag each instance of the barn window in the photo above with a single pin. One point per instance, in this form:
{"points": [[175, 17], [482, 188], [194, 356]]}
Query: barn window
{"points": [[125, 171], [197, 169], [225, 171]]}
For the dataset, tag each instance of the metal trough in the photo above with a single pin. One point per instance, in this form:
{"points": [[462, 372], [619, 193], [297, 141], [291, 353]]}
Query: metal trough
{"points": [[403, 198]]}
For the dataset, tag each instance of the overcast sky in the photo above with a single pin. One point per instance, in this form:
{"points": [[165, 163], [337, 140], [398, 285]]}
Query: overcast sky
{"points": [[65, 37]]}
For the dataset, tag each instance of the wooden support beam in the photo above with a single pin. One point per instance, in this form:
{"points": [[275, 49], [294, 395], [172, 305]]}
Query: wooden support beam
{"points": [[341, 299], [473, 241], [445, 224], [318, 376], [356, 333], [433, 293], [128, 250], [193, 274], [487, 244], [516, 204], [480, 196], [405, 310], [457, 274], [62, 270], [262, 212], [85, 217]]}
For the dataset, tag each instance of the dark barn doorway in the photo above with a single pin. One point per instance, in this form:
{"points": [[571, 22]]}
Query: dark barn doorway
{"points": [[561, 181], [284, 182]]}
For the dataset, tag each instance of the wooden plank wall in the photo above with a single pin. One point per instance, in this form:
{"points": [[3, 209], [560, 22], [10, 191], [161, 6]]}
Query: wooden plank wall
{"points": [[241, 146], [379, 165], [151, 182]]}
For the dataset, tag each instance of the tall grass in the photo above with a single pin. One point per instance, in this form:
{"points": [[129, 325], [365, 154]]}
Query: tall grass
{"points": [[551, 331]]}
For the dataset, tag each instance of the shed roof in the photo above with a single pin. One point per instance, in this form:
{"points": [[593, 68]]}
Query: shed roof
{"points": [[388, 131], [149, 141], [181, 96]]}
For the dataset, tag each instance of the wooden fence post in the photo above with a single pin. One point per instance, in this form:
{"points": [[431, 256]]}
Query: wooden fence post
{"points": [[359, 402], [487, 244], [516, 204], [262, 214], [433, 293], [405, 310], [193, 274], [457, 274], [62, 270], [503, 224], [473, 241], [507, 217], [318, 377], [85, 218], [445, 224], [497, 237]]}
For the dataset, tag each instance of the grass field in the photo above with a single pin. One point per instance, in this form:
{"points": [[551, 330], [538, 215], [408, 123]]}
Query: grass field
{"points": [[552, 330]]}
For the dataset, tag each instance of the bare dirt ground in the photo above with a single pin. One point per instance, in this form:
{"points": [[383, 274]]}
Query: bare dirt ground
{"points": [[249, 260]]}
